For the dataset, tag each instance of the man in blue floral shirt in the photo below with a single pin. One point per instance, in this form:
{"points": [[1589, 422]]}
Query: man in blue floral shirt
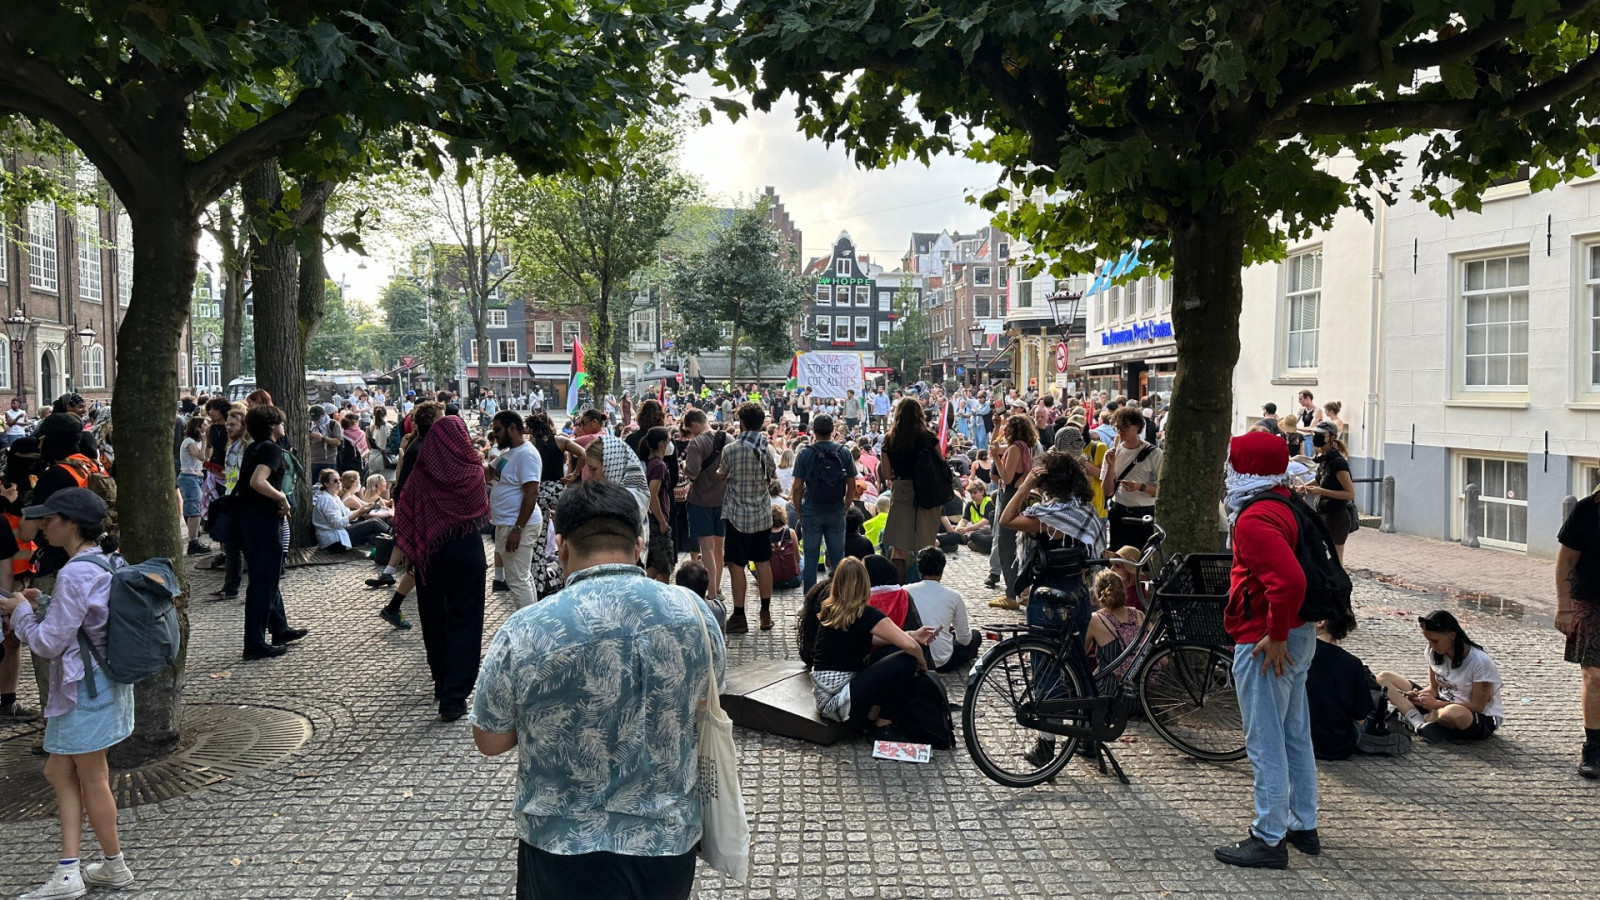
{"points": [[597, 688]]}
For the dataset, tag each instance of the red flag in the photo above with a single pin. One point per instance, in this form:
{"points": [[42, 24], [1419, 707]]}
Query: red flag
{"points": [[944, 426]]}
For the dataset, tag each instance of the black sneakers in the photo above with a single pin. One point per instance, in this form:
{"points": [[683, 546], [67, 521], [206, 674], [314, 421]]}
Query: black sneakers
{"points": [[382, 580], [1589, 766], [265, 652], [1306, 841], [451, 710], [1254, 853]]}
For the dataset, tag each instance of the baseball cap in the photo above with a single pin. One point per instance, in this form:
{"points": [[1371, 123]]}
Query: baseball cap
{"points": [[77, 504]]}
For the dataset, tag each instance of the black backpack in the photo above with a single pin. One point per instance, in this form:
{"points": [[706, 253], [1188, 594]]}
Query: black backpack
{"points": [[932, 482], [925, 716], [349, 458], [826, 483], [1328, 585]]}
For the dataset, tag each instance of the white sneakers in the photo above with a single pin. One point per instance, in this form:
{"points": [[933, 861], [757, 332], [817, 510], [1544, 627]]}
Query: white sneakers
{"points": [[113, 873], [65, 881], [70, 881]]}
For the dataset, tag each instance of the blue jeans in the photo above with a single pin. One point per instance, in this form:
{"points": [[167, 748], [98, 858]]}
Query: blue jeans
{"points": [[817, 529], [1277, 737]]}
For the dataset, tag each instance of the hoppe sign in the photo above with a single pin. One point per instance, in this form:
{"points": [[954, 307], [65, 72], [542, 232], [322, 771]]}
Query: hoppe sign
{"points": [[1143, 331]]}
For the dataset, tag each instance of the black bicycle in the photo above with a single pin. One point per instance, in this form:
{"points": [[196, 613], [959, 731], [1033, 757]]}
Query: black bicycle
{"points": [[1032, 701]]}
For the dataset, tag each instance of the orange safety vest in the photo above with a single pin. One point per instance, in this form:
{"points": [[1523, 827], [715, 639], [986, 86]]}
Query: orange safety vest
{"points": [[82, 478], [22, 563]]}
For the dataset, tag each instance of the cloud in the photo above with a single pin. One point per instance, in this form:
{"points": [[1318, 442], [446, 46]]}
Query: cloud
{"points": [[825, 192]]}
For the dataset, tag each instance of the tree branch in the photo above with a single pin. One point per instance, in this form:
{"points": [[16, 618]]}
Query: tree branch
{"points": [[1412, 56], [268, 138]]}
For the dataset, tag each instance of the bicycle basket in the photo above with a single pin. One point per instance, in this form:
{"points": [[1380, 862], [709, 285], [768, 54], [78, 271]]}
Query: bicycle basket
{"points": [[1194, 597]]}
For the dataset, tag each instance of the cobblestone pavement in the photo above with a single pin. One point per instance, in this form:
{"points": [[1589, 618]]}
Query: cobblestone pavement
{"points": [[1501, 581], [387, 802]]}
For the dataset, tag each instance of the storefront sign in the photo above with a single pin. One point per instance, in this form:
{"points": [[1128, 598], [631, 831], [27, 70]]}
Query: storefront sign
{"points": [[1143, 331], [828, 279]]}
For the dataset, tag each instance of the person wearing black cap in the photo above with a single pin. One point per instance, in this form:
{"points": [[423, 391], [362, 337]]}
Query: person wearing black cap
{"points": [[86, 713]]}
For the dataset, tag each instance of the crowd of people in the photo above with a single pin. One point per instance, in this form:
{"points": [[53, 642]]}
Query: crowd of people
{"points": [[634, 515]]}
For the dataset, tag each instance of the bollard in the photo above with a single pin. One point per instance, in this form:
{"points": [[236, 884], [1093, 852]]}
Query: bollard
{"points": [[1568, 504], [1471, 517], [1386, 526]]}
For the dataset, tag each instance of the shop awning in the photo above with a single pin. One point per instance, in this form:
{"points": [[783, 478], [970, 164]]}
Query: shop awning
{"points": [[550, 369], [1163, 361], [1097, 367]]}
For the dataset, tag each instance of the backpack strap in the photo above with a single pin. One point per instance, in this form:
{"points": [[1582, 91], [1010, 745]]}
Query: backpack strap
{"points": [[1136, 460]]}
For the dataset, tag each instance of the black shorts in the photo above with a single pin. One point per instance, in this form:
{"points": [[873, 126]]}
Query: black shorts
{"points": [[1482, 727], [1338, 521], [740, 549]]}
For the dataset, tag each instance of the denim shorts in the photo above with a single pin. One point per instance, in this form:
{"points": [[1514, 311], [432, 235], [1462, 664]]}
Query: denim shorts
{"points": [[189, 489], [705, 521], [95, 723]]}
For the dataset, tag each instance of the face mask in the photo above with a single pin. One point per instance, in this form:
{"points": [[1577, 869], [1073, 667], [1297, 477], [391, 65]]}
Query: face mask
{"points": [[1319, 440]]}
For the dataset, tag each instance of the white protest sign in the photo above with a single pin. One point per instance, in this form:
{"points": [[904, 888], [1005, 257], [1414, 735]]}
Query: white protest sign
{"points": [[829, 374]]}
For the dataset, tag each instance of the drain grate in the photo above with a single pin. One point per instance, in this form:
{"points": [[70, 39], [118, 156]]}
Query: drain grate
{"points": [[218, 742]]}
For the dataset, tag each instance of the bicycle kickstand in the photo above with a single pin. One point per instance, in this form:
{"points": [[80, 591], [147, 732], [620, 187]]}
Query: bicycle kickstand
{"points": [[1103, 757]]}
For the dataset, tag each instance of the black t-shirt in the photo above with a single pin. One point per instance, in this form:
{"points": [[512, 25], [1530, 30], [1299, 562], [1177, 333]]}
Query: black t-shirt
{"points": [[1581, 532], [48, 559], [846, 649], [552, 459], [952, 507], [858, 546], [260, 453], [1329, 465], [902, 461], [1340, 698], [217, 439], [407, 460]]}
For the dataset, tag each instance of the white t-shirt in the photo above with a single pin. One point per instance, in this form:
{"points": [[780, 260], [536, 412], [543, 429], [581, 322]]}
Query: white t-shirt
{"points": [[1146, 471], [517, 466], [1455, 682], [16, 419], [942, 608], [189, 465]]}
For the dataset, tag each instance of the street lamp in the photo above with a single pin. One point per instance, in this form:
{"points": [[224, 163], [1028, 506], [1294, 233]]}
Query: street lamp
{"points": [[17, 327], [1069, 299]]}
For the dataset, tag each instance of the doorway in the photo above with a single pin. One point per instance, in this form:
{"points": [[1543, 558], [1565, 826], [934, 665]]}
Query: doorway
{"points": [[47, 378]]}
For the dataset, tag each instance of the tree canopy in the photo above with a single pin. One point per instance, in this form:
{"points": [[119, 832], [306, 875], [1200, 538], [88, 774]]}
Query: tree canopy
{"points": [[1203, 127]]}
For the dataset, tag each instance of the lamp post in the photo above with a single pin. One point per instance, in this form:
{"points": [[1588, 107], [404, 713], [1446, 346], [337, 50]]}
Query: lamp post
{"points": [[17, 327], [1069, 299]]}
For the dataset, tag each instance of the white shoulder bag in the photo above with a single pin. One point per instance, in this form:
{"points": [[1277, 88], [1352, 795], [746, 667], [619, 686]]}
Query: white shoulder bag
{"points": [[725, 832]]}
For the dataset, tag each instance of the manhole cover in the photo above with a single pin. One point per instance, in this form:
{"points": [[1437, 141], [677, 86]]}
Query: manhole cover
{"points": [[219, 741]]}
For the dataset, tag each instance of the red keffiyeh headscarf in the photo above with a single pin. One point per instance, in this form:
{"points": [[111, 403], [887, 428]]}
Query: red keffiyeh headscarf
{"points": [[445, 496]]}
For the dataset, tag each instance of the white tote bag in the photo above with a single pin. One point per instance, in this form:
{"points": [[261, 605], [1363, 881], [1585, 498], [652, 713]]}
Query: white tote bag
{"points": [[725, 832]]}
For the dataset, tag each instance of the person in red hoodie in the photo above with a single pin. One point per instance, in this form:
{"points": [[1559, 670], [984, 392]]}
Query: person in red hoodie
{"points": [[1272, 654]]}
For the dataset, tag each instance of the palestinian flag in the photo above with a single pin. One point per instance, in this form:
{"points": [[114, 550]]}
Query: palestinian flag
{"points": [[579, 378], [794, 374], [944, 427]]}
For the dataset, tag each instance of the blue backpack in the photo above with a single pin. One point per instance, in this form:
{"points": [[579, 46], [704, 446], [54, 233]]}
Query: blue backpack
{"points": [[142, 634]]}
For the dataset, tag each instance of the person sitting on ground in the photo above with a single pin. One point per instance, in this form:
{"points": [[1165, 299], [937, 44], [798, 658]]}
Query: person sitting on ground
{"points": [[856, 542], [338, 529], [785, 551], [697, 579], [1462, 699], [1114, 627], [873, 527], [350, 489], [1339, 692], [1130, 574], [955, 642], [889, 595], [976, 525], [377, 494], [862, 663]]}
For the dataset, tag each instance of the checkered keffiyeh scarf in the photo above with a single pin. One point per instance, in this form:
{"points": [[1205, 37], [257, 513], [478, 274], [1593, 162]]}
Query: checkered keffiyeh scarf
{"points": [[445, 497]]}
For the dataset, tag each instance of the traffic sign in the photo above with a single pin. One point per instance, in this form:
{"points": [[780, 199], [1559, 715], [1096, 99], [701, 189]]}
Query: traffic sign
{"points": [[1061, 356]]}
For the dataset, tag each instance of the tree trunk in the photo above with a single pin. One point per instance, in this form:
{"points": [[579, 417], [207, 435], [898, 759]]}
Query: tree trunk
{"points": [[733, 357], [603, 375], [480, 333], [1208, 253], [232, 294], [280, 353], [165, 245]]}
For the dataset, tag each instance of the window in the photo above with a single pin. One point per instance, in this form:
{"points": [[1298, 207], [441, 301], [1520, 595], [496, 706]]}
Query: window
{"points": [[1024, 295], [497, 318], [472, 349], [199, 375], [124, 259], [94, 368], [863, 295], [842, 267], [183, 368], [982, 276], [824, 295], [5, 359], [505, 351], [1005, 253], [544, 337], [1494, 297], [1588, 478], [980, 306], [1592, 287], [863, 329], [1503, 487], [883, 333], [644, 326], [42, 272], [885, 301], [1302, 289], [824, 328], [1166, 294], [1147, 290], [89, 286], [569, 334], [1130, 302], [1115, 302]]}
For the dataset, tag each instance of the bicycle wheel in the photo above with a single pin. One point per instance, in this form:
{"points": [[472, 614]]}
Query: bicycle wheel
{"points": [[1004, 689], [1187, 693]]}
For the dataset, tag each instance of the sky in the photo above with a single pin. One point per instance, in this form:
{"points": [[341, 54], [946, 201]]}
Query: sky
{"points": [[824, 192]]}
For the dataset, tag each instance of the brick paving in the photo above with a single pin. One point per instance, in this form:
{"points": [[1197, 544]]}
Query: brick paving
{"points": [[386, 802], [1501, 581]]}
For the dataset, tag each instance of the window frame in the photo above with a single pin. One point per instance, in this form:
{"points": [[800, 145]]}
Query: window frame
{"points": [[862, 333], [91, 269], [44, 258], [987, 311], [841, 267], [1587, 312], [824, 295], [498, 318], [982, 276], [5, 360], [545, 342], [648, 321], [501, 358], [863, 294], [1290, 300], [571, 333], [1459, 299], [93, 376], [124, 259], [885, 329], [823, 325], [1462, 465]]}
